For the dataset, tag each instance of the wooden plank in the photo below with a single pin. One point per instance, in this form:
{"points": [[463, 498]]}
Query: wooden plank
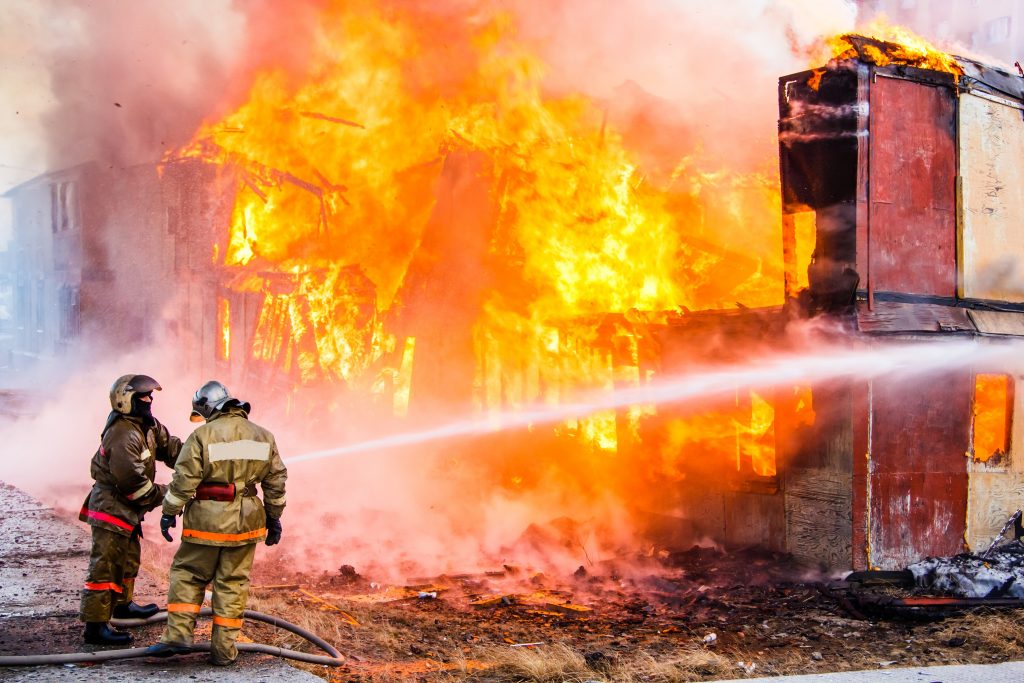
{"points": [[817, 467], [895, 316], [818, 521], [705, 508], [863, 216], [1009, 323], [860, 419], [912, 233], [755, 519], [994, 496], [991, 144], [920, 430]]}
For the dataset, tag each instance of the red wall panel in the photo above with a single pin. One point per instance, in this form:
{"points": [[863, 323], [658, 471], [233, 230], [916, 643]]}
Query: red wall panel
{"points": [[912, 221], [920, 430]]}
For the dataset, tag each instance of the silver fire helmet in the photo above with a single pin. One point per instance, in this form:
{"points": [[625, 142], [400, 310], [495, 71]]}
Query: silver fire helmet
{"points": [[212, 397], [126, 386]]}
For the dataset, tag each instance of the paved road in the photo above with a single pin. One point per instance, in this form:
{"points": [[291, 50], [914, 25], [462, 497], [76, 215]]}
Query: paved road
{"points": [[43, 559], [1010, 672]]}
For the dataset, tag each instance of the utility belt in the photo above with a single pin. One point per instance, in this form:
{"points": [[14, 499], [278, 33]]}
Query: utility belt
{"points": [[225, 493]]}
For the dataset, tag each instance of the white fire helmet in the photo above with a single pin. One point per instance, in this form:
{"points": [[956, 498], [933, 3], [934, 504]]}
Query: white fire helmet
{"points": [[210, 398]]}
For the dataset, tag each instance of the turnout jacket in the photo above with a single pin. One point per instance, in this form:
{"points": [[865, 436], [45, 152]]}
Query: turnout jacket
{"points": [[124, 469], [228, 449]]}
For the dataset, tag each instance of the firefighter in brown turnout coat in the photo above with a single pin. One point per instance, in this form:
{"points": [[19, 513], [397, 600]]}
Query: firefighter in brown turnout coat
{"points": [[124, 469], [215, 483]]}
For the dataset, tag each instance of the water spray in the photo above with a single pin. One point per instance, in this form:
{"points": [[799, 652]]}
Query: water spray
{"points": [[831, 363]]}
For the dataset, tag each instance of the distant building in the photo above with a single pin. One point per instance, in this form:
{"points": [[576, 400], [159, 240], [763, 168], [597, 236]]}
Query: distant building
{"points": [[993, 29], [121, 252], [6, 309]]}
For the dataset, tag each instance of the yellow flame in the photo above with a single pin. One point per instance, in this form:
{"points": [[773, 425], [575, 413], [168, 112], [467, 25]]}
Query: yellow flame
{"points": [[225, 329], [893, 45], [992, 409], [336, 173]]}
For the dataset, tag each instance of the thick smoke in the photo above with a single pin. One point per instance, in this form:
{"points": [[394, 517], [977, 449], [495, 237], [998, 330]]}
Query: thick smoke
{"points": [[22, 81], [48, 448], [129, 81], [716, 63], [981, 31]]}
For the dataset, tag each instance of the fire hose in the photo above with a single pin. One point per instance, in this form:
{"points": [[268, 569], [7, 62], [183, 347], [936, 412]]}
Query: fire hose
{"points": [[333, 657]]}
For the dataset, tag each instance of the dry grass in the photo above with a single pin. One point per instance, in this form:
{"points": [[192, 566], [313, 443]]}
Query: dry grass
{"points": [[1001, 634], [383, 641], [553, 663], [560, 663], [325, 624]]}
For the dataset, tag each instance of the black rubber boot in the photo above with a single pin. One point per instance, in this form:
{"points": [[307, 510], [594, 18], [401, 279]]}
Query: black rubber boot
{"points": [[167, 650], [100, 633], [132, 611]]}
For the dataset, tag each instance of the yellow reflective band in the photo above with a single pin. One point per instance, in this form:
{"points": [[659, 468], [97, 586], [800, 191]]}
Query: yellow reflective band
{"points": [[215, 536], [173, 500], [143, 490], [246, 449], [275, 501], [226, 622]]}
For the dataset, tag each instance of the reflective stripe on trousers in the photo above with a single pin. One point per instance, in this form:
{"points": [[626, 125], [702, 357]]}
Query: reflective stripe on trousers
{"points": [[110, 579], [227, 569]]}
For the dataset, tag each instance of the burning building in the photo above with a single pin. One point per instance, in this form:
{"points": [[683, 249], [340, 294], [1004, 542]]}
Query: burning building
{"points": [[902, 212]]}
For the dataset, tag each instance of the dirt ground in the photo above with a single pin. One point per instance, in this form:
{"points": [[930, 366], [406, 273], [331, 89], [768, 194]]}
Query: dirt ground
{"points": [[696, 615], [699, 614]]}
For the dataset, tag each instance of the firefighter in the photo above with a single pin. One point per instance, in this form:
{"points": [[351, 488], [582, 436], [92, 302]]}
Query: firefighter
{"points": [[123, 468], [215, 483]]}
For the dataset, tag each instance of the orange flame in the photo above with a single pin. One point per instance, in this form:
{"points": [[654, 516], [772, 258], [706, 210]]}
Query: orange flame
{"points": [[992, 410], [337, 178], [224, 315], [883, 44]]}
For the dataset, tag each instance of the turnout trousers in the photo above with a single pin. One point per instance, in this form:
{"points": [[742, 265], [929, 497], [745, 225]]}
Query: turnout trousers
{"points": [[110, 580], [195, 566]]}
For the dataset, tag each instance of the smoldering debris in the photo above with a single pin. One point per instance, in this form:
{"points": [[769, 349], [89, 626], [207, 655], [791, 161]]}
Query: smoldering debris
{"points": [[1000, 574]]}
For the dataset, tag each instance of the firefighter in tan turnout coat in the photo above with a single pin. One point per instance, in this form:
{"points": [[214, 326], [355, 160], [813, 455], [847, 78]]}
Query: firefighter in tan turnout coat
{"points": [[124, 469], [215, 483]]}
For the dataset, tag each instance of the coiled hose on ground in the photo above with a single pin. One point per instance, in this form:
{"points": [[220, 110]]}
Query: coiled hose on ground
{"points": [[333, 658]]}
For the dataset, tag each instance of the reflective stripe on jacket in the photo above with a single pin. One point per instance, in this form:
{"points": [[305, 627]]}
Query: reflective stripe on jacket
{"points": [[123, 470], [229, 449]]}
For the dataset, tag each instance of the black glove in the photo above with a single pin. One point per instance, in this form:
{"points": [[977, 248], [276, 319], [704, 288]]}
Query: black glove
{"points": [[167, 522], [273, 530]]}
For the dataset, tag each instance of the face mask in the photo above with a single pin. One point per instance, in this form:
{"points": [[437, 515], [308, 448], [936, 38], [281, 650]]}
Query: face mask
{"points": [[142, 408]]}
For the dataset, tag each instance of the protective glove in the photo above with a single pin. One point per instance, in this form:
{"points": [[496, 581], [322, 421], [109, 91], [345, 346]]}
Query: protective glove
{"points": [[167, 522], [273, 530]]}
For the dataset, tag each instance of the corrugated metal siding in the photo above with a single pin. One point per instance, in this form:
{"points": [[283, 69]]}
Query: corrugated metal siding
{"points": [[992, 208], [911, 231], [920, 431]]}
